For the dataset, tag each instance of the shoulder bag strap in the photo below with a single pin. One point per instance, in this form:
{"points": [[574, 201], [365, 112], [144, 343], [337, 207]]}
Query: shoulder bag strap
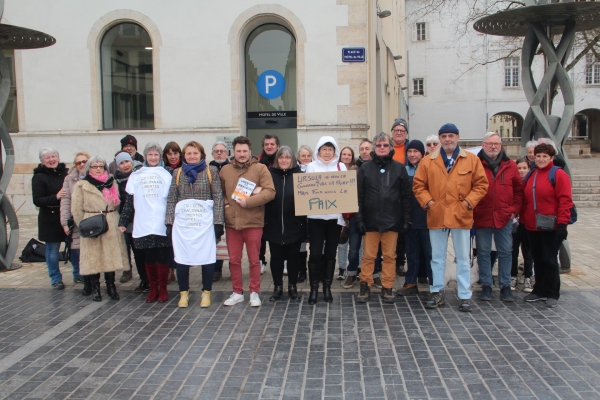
{"points": [[178, 175], [533, 189]]}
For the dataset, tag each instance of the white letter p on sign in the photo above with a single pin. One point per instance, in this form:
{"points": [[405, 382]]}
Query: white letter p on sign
{"points": [[270, 80]]}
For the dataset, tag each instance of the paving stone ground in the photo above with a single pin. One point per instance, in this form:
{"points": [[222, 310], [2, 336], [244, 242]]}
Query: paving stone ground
{"points": [[59, 345]]}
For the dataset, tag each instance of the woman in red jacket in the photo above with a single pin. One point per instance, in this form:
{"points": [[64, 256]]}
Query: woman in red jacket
{"points": [[545, 200]]}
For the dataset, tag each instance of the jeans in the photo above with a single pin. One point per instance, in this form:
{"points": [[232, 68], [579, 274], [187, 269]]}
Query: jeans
{"points": [[503, 239], [418, 251], [388, 247], [280, 253], [354, 244], [461, 239], [75, 263], [323, 231], [544, 249], [52, 262], [183, 277], [235, 243], [342, 254]]}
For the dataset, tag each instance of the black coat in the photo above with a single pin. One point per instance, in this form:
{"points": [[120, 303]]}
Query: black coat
{"points": [[219, 166], [45, 184], [384, 198], [282, 226]]}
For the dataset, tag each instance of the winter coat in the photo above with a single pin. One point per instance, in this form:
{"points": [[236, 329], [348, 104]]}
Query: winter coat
{"points": [[419, 215], [217, 165], [331, 166], [65, 205], [384, 198], [45, 184], [504, 195], [550, 200], [253, 215], [199, 190], [171, 169], [282, 226], [107, 252], [466, 181]]}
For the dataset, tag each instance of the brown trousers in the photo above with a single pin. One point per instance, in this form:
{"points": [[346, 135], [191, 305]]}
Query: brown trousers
{"points": [[388, 249]]}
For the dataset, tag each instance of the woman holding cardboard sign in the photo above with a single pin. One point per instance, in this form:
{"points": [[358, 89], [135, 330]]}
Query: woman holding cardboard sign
{"points": [[324, 229]]}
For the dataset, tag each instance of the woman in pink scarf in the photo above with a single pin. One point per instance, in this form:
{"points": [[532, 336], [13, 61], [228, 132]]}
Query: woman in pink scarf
{"points": [[98, 192]]}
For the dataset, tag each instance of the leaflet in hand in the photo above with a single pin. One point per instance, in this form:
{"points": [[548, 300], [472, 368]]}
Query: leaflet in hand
{"points": [[243, 190]]}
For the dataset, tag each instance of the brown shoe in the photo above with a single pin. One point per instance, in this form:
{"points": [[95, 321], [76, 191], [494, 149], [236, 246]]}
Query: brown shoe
{"points": [[350, 281], [364, 294], [387, 296], [377, 283], [409, 289], [126, 277], [171, 275]]}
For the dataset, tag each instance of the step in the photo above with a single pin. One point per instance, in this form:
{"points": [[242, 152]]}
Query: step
{"points": [[586, 178], [586, 184], [586, 190], [587, 204], [586, 197]]}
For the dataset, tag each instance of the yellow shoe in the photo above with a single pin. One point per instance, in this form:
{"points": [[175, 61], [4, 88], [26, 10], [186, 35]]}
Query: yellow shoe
{"points": [[184, 299], [205, 300]]}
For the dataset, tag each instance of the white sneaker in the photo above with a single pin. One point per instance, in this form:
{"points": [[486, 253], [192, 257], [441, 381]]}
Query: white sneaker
{"points": [[513, 283], [263, 266], [254, 300], [285, 268], [495, 270], [234, 299], [527, 286]]}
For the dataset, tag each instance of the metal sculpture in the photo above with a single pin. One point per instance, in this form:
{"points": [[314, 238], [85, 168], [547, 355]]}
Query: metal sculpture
{"points": [[538, 22], [11, 37]]}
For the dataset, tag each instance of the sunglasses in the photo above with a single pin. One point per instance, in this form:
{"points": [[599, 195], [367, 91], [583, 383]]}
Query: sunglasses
{"points": [[82, 162], [382, 145], [431, 144]]}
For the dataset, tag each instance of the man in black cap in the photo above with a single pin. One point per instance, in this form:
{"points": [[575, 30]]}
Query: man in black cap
{"points": [[128, 144]]}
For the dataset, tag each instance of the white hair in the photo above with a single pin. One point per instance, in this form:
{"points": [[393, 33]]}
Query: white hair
{"points": [[531, 143], [432, 139], [47, 150], [490, 134]]}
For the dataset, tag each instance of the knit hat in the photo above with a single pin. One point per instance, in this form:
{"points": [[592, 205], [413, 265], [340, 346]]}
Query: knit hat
{"points": [[129, 139], [448, 128], [123, 156], [417, 145], [401, 122]]}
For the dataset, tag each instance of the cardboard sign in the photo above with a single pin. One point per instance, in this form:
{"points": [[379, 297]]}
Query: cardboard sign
{"points": [[325, 193]]}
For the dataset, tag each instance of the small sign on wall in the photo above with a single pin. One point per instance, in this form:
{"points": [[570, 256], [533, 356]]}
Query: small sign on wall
{"points": [[325, 193], [353, 54]]}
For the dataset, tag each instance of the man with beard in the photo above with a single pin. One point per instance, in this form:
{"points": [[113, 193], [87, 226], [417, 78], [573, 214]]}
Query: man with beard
{"points": [[220, 155]]}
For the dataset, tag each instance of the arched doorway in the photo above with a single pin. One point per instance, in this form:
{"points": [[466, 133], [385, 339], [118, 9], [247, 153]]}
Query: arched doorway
{"points": [[586, 123], [507, 124], [271, 105]]}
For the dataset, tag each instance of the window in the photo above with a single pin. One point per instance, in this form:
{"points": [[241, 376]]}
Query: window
{"points": [[420, 32], [127, 82], [418, 87], [10, 115], [511, 72], [592, 70]]}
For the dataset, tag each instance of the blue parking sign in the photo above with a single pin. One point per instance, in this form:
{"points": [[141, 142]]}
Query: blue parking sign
{"points": [[270, 84]]}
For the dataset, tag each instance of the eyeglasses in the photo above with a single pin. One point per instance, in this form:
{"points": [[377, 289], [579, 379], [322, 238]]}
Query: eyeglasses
{"points": [[492, 144], [399, 131], [431, 144], [220, 151], [384, 145], [97, 166], [81, 162]]}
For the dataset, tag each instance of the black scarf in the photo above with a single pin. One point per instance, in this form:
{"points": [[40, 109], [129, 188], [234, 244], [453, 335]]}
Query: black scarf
{"points": [[100, 185], [493, 164], [381, 161], [121, 176], [266, 159]]}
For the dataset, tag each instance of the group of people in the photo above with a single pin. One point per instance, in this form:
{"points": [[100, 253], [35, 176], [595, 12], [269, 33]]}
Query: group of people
{"points": [[171, 208]]}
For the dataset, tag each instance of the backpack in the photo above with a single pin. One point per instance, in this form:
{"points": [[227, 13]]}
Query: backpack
{"points": [[35, 251], [552, 179]]}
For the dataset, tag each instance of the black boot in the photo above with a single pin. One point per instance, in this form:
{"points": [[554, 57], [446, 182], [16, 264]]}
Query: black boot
{"points": [[111, 289], [95, 281], [87, 286], [302, 267], [277, 293], [292, 292], [328, 280], [314, 271]]}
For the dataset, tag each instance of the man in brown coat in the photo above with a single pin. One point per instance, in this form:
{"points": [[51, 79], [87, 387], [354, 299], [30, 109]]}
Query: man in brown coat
{"points": [[244, 217], [448, 184]]}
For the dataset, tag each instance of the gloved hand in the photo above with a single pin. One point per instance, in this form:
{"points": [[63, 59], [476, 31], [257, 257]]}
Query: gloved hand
{"points": [[219, 232], [406, 228], [169, 230], [361, 228], [561, 232]]}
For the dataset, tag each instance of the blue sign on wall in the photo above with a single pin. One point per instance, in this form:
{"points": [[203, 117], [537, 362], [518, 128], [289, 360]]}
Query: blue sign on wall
{"points": [[270, 84], [353, 54]]}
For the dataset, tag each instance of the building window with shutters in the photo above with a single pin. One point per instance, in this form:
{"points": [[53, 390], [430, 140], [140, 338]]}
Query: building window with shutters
{"points": [[511, 72], [592, 70], [418, 87]]}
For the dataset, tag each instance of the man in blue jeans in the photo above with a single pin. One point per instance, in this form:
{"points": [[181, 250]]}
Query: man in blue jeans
{"points": [[494, 216], [448, 184]]}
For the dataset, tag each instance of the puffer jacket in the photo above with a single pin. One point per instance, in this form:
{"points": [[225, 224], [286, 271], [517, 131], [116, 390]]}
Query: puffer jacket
{"points": [[65, 205], [466, 181], [45, 184], [504, 195], [384, 198], [253, 215], [282, 226]]}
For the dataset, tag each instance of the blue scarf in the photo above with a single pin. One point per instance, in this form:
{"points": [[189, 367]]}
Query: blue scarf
{"points": [[449, 162], [192, 170]]}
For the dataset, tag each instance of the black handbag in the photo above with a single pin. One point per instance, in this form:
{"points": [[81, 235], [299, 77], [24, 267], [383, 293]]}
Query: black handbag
{"points": [[94, 226]]}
